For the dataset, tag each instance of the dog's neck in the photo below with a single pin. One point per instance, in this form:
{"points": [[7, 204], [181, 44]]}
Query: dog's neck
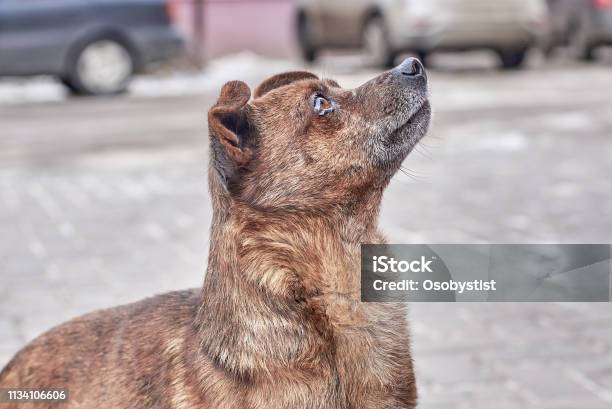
{"points": [[350, 223], [267, 245], [289, 265], [283, 251]]}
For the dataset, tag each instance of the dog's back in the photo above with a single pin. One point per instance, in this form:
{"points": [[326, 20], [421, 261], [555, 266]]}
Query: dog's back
{"points": [[139, 351]]}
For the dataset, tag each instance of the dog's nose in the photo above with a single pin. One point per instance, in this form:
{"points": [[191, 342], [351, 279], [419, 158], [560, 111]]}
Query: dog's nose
{"points": [[410, 68]]}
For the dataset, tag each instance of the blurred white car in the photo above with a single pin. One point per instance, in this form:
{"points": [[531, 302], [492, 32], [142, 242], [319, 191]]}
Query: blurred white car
{"points": [[388, 27]]}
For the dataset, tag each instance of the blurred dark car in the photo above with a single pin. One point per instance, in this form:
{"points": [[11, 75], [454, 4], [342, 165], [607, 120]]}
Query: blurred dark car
{"points": [[583, 25], [93, 46]]}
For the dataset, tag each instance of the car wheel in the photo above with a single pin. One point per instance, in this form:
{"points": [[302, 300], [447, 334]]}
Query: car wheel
{"points": [[424, 57], [512, 59], [376, 43], [307, 49], [580, 43], [100, 66]]}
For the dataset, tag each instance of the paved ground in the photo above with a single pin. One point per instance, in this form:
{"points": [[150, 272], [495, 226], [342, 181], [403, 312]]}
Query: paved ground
{"points": [[104, 202]]}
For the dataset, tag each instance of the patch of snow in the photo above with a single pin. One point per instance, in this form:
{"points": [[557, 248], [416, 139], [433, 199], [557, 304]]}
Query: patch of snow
{"points": [[37, 89], [245, 66]]}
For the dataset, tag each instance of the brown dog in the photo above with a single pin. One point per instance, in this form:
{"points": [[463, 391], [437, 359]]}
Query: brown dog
{"points": [[296, 179]]}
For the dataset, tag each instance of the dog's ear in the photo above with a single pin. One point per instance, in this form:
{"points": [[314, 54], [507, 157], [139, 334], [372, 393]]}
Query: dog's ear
{"points": [[280, 80], [230, 131]]}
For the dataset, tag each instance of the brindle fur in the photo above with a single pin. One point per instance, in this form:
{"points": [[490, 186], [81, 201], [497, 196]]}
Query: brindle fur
{"points": [[278, 322]]}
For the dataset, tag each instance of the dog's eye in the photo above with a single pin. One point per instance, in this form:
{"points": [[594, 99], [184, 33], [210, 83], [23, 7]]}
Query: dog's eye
{"points": [[322, 105]]}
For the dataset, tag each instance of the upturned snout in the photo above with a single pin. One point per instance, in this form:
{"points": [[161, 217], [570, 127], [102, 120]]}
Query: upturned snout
{"points": [[407, 81], [410, 68], [411, 72], [398, 112]]}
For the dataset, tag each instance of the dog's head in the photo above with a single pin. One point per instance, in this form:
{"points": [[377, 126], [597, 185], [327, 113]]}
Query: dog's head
{"points": [[303, 141]]}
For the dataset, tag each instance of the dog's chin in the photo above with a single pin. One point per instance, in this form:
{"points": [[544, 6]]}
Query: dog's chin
{"points": [[401, 141], [415, 127]]}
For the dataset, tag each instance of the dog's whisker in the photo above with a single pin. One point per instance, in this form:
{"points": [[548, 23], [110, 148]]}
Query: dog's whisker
{"points": [[414, 175], [425, 143], [433, 136], [424, 150]]}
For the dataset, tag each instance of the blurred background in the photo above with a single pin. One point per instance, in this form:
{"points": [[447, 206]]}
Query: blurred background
{"points": [[103, 153]]}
